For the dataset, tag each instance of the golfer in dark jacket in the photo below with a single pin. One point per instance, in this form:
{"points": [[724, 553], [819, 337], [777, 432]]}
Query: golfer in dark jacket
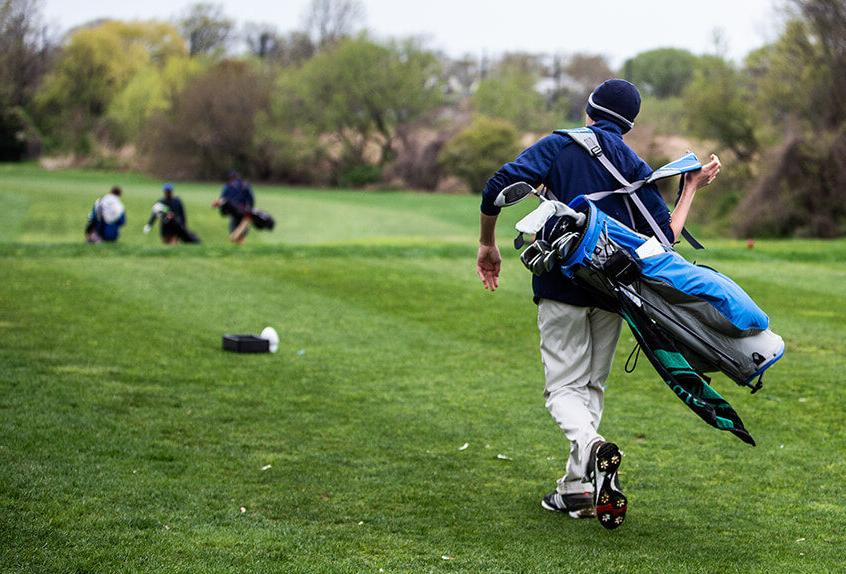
{"points": [[174, 223], [577, 336], [236, 201]]}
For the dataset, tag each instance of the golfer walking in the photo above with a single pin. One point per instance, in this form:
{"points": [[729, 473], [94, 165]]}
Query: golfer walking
{"points": [[577, 336], [236, 201]]}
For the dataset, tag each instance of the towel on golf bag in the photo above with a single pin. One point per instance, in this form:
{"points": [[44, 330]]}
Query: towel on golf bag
{"points": [[686, 383]]}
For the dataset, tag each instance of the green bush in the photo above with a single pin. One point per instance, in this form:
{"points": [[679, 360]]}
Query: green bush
{"points": [[666, 115], [359, 92], [476, 152], [150, 91], [662, 73], [360, 175], [94, 67], [292, 156], [209, 130], [510, 95], [719, 107]]}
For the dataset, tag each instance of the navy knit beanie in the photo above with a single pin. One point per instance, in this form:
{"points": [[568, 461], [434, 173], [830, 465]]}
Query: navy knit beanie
{"points": [[615, 100]]}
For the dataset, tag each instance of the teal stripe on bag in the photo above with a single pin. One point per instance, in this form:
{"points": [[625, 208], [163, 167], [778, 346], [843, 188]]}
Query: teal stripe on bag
{"points": [[672, 360]]}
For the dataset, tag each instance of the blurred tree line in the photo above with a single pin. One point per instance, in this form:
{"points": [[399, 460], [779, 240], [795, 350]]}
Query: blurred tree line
{"points": [[327, 104]]}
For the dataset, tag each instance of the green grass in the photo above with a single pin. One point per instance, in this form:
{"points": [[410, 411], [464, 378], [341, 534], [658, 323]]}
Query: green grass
{"points": [[129, 442]]}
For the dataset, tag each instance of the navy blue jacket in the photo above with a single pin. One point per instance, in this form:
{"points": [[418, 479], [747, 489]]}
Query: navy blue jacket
{"points": [[567, 171], [239, 194], [174, 205]]}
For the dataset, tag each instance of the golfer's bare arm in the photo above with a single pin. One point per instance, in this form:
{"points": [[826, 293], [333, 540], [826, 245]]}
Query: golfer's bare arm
{"points": [[530, 166], [488, 260], [692, 182], [487, 234]]}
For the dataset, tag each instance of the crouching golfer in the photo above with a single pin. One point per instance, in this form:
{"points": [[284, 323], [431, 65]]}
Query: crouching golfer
{"points": [[106, 218], [577, 336]]}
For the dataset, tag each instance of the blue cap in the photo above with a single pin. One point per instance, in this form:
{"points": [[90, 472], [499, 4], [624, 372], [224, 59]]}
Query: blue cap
{"points": [[615, 100], [168, 187]]}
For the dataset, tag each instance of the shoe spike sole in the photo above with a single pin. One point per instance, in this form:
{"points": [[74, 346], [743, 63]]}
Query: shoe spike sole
{"points": [[611, 504]]}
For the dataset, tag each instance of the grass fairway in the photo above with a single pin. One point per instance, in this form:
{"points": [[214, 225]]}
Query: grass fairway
{"points": [[130, 442]]}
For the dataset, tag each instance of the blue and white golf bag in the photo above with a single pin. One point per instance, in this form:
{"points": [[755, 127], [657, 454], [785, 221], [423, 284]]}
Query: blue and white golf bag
{"points": [[688, 319], [715, 324]]}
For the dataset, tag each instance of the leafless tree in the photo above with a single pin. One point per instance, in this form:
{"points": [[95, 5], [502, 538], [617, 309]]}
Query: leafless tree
{"points": [[294, 48], [524, 62], [827, 20], [207, 28], [802, 186], [587, 71], [24, 50], [262, 39], [327, 21], [575, 77], [266, 42], [462, 75]]}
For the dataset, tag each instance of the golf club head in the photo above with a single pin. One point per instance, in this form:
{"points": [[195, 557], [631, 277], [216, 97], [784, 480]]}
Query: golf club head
{"points": [[514, 193], [519, 241], [564, 210], [532, 257], [549, 260], [686, 163], [564, 244]]}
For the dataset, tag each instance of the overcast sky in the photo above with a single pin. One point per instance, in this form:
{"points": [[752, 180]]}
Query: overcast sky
{"points": [[616, 28]]}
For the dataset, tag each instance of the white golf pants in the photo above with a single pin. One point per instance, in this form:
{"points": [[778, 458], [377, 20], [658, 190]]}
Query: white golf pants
{"points": [[577, 348]]}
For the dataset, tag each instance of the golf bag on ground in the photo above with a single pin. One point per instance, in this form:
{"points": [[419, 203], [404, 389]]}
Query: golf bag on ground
{"points": [[170, 226], [182, 232], [687, 319]]}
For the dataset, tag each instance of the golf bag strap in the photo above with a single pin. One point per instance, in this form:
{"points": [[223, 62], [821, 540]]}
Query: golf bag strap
{"points": [[691, 239], [630, 195], [587, 140], [685, 233], [597, 195], [628, 204], [656, 229]]}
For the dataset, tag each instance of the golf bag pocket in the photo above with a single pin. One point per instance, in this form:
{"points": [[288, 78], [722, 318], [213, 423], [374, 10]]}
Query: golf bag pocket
{"points": [[713, 289], [706, 338], [649, 248]]}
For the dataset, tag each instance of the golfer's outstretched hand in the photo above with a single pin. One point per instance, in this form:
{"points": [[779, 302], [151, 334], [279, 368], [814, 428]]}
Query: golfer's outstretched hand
{"points": [[488, 263], [705, 176]]}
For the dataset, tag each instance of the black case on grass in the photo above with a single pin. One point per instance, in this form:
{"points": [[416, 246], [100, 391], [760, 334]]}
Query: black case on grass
{"points": [[245, 344]]}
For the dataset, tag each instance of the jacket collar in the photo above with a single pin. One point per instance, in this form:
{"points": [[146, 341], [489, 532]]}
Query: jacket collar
{"points": [[609, 126]]}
